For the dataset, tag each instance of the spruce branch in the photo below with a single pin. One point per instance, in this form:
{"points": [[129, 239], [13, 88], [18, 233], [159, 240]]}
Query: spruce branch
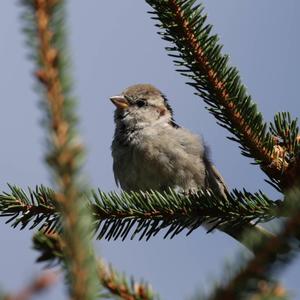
{"points": [[144, 214], [265, 291], [36, 207], [3, 295], [36, 287], [286, 134], [50, 247], [118, 284], [198, 54], [286, 137], [273, 255], [44, 25]]}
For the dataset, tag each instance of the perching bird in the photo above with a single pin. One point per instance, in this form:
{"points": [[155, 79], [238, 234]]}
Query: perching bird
{"points": [[151, 152]]}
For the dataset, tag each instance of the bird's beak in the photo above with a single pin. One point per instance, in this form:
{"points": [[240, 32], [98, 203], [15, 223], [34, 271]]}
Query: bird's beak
{"points": [[119, 101]]}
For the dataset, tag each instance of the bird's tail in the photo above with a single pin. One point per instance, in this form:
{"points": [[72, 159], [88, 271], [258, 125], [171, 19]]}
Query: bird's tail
{"points": [[248, 234], [240, 233]]}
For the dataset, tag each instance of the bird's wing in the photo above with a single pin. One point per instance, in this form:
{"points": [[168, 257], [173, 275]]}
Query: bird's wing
{"points": [[115, 169]]}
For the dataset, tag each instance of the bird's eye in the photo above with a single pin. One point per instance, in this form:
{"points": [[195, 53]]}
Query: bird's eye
{"points": [[141, 103]]}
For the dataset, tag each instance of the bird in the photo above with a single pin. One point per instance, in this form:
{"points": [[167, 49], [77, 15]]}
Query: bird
{"points": [[152, 152]]}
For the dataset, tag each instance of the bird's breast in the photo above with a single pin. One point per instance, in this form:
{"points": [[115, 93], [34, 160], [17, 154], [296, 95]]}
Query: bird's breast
{"points": [[156, 159]]}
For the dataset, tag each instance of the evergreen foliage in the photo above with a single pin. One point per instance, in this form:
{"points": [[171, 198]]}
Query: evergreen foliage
{"points": [[45, 30], [198, 55], [50, 251], [141, 214], [273, 256], [68, 215]]}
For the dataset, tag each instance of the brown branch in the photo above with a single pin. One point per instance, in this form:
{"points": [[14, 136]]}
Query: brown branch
{"points": [[38, 285], [267, 291], [259, 265], [49, 75], [63, 154], [107, 276], [112, 281], [292, 174], [273, 166], [32, 210]]}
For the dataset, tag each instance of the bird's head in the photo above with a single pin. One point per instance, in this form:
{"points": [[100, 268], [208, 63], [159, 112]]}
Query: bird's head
{"points": [[141, 105]]}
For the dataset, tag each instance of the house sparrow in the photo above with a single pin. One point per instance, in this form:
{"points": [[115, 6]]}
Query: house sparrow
{"points": [[151, 152]]}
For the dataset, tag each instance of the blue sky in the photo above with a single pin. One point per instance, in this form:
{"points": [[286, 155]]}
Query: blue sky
{"points": [[114, 44]]}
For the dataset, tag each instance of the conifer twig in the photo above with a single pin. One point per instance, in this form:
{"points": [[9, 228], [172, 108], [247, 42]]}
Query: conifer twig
{"points": [[219, 85], [144, 214], [285, 132], [38, 285], [117, 284], [64, 150], [271, 256], [267, 291], [292, 174], [50, 247]]}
